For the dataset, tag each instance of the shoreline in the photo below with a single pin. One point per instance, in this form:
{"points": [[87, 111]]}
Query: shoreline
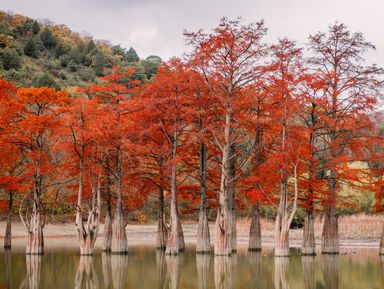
{"points": [[64, 235]]}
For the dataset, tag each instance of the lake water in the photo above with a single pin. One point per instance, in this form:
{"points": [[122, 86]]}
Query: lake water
{"points": [[144, 267]]}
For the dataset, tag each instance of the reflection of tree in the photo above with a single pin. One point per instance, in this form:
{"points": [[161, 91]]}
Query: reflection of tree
{"points": [[281, 272], [86, 276], [308, 262], [202, 264], [119, 266], [115, 269], [106, 267], [8, 266], [331, 271], [256, 269], [32, 279], [224, 272], [161, 269], [174, 267]]}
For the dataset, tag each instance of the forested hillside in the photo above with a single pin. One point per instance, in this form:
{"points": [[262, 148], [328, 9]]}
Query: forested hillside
{"points": [[40, 53]]}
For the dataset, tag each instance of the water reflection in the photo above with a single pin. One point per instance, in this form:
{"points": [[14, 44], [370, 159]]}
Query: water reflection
{"points": [[281, 273], [174, 269], [255, 265], [114, 269], [224, 272], [330, 266], [161, 269], [202, 263], [308, 264], [147, 268], [86, 276], [32, 279]]}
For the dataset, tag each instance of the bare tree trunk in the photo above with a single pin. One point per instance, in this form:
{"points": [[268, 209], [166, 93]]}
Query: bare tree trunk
{"points": [[331, 271], [255, 230], [223, 226], [284, 218], [8, 228], [381, 249], [174, 268], [119, 243], [330, 235], [308, 263], [224, 272], [119, 236], [232, 196], [281, 270], [309, 245], [107, 232], [175, 241], [35, 238], [203, 237], [162, 232], [281, 232], [202, 264]]}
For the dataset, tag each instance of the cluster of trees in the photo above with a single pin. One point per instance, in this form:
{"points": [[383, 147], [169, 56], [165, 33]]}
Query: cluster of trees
{"points": [[237, 122], [58, 57]]}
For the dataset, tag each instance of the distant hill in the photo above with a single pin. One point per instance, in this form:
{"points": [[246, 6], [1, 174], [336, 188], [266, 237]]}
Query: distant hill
{"points": [[37, 54]]}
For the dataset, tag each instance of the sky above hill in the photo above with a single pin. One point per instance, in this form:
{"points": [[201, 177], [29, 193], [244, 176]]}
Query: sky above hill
{"points": [[156, 26]]}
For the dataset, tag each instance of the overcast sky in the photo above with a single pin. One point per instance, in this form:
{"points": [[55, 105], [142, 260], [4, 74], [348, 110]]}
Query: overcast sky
{"points": [[156, 26]]}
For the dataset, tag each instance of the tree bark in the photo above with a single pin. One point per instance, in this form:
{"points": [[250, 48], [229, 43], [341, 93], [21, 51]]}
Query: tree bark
{"points": [[8, 228], [107, 232], [330, 235], [119, 243], [255, 230], [203, 237], [232, 196], [175, 241], [35, 239], [162, 232], [223, 226], [309, 245]]}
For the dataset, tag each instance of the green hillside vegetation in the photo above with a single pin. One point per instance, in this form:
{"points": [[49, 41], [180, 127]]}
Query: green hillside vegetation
{"points": [[45, 54]]}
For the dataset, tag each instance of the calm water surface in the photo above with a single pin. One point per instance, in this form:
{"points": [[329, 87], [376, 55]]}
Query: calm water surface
{"points": [[144, 267]]}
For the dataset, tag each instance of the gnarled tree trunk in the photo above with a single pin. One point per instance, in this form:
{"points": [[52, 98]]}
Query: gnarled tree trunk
{"points": [[232, 196], [87, 233], [203, 244], [284, 218], [8, 228], [255, 230], [330, 235], [309, 245]]}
